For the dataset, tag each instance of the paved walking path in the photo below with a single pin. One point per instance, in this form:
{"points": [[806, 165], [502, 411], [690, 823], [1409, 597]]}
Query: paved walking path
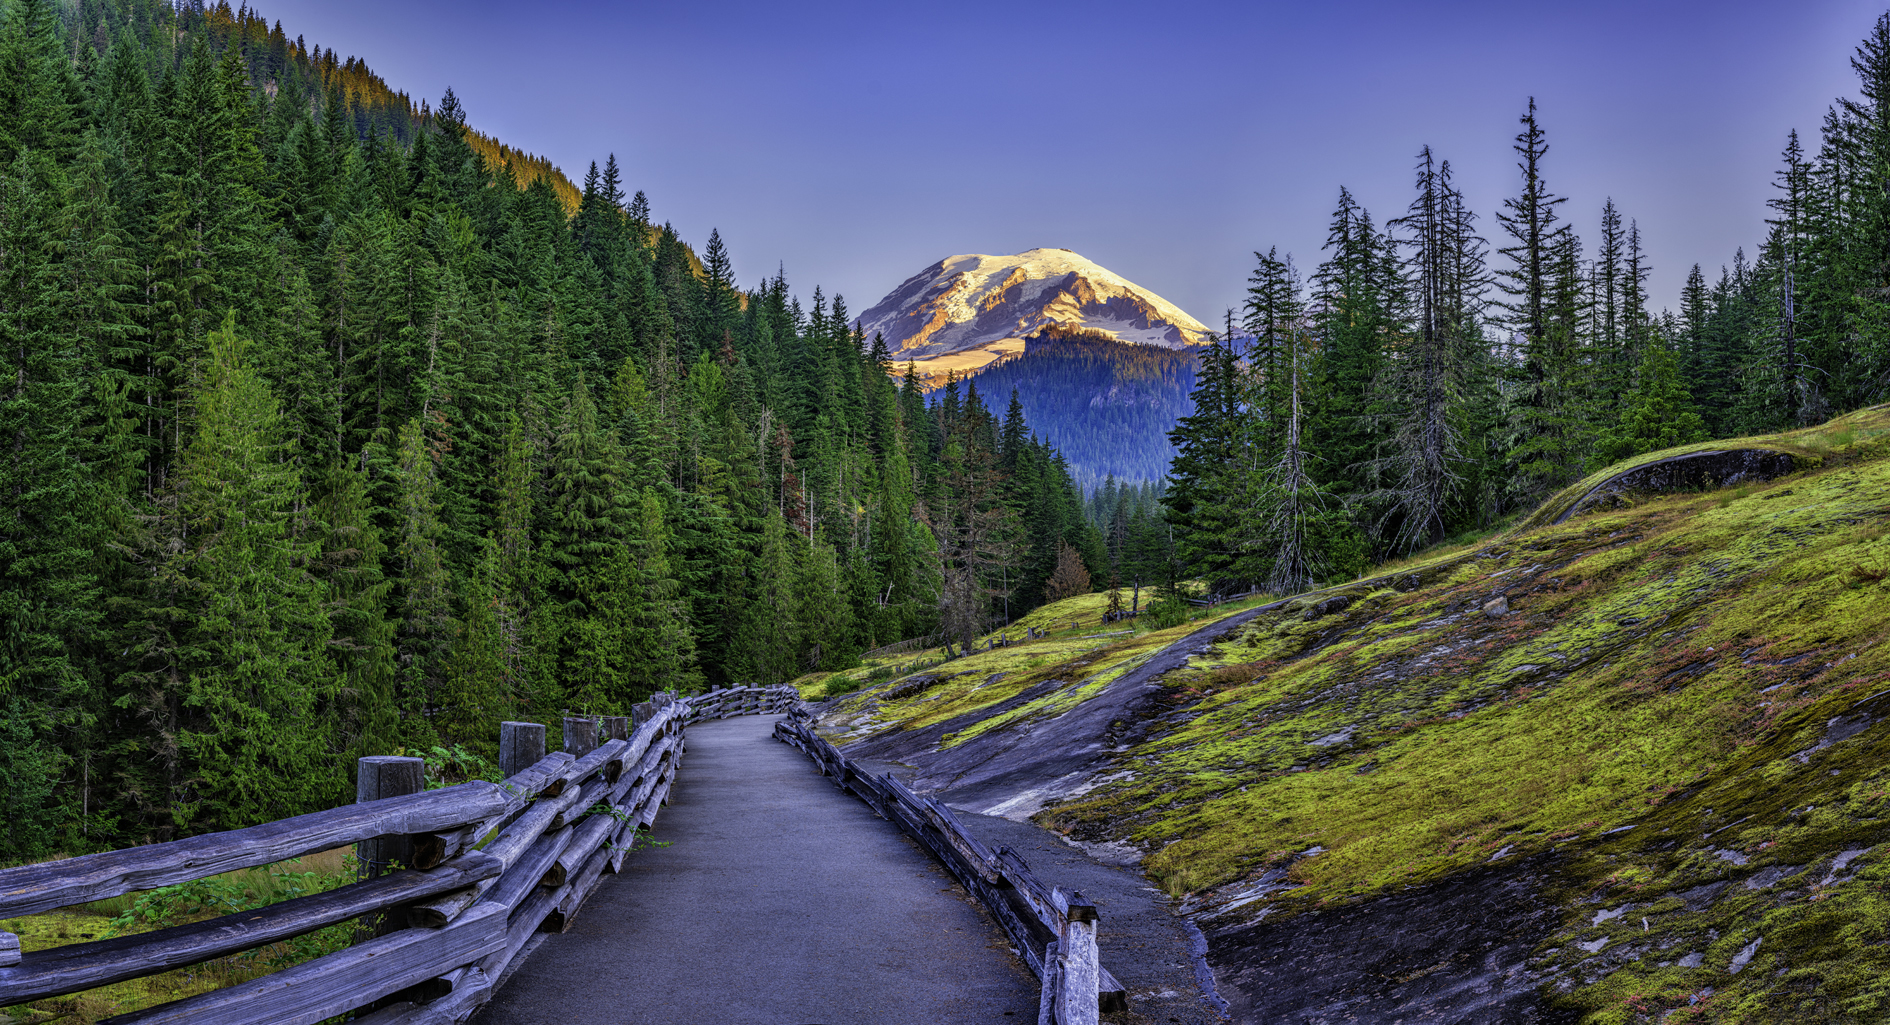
{"points": [[779, 901]]}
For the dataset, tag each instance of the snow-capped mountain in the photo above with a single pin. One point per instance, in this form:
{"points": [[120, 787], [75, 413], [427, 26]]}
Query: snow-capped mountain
{"points": [[992, 303], [1107, 402]]}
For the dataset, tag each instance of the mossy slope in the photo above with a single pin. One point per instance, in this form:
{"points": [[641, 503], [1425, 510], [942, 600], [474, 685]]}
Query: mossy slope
{"points": [[1647, 714]]}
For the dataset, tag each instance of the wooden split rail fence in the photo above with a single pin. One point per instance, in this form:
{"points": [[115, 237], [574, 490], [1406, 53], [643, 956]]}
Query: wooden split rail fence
{"points": [[724, 702], [456, 881], [1055, 930]]}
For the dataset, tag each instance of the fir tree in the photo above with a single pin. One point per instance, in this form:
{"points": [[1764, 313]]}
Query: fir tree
{"points": [[252, 667], [425, 602], [51, 516], [1658, 413], [361, 634], [1425, 385], [1543, 418]]}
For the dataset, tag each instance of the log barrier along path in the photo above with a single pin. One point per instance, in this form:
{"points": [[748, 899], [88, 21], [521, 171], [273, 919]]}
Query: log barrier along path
{"points": [[779, 900]]}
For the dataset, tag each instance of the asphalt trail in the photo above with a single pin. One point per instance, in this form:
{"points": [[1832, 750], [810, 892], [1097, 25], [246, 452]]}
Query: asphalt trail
{"points": [[780, 900]]}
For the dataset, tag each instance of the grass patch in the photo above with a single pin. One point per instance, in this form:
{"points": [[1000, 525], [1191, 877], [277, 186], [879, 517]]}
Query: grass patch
{"points": [[177, 905]]}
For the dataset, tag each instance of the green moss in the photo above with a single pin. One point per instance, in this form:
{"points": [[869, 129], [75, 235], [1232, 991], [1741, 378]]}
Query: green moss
{"points": [[1471, 730], [1662, 666]]}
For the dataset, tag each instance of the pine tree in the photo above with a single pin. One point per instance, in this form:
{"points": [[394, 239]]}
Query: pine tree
{"points": [[361, 634], [1203, 481], [425, 600], [661, 645], [52, 514], [252, 668], [1543, 419], [38, 92], [587, 525], [1792, 379], [769, 638], [1658, 413], [1292, 506], [1613, 369], [973, 529], [517, 571], [1426, 384], [1355, 296], [824, 613]]}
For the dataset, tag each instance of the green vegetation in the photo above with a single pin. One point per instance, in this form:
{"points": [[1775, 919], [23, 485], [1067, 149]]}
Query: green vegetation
{"points": [[1411, 734], [1633, 715], [1106, 405], [339, 429], [1452, 385], [1077, 654], [177, 905]]}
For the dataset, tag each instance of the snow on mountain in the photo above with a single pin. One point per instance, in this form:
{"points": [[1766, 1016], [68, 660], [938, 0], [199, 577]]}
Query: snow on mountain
{"points": [[989, 303]]}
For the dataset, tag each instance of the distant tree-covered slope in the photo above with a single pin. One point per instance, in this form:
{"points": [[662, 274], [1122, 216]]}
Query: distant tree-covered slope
{"points": [[324, 441], [1106, 405], [303, 71]]}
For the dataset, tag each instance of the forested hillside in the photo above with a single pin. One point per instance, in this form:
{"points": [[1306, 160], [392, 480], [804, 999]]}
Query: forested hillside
{"points": [[1423, 382], [333, 431], [1106, 405]]}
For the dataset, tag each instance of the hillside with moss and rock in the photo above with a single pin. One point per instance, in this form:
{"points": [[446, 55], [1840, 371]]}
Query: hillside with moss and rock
{"points": [[1624, 760]]}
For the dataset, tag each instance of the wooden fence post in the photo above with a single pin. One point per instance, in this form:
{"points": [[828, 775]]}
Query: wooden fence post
{"points": [[521, 745], [1079, 978], [617, 727], [580, 735], [377, 777]]}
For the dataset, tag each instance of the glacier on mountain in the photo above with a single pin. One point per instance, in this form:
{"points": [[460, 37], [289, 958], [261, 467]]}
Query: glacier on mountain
{"points": [[974, 301]]}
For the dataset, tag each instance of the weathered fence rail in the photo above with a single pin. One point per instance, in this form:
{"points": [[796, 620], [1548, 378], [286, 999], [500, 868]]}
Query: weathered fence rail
{"points": [[457, 879], [1053, 929], [727, 701]]}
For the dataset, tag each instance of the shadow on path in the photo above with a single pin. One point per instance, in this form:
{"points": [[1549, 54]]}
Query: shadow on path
{"points": [[779, 901]]}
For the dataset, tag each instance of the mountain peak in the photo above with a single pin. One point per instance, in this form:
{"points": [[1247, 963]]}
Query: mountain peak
{"points": [[967, 310]]}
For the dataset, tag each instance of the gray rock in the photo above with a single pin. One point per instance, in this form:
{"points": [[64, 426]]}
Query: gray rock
{"points": [[1461, 950], [1838, 864], [1690, 472], [1838, 730], [1766, 877], [1496, 607], [1692, 960], [1330, 739], [1328, 606], [1744, 957], [1701, 897]]}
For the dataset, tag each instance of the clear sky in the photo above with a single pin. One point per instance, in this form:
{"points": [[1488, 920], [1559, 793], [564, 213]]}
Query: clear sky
{"points": [[857, 143]]}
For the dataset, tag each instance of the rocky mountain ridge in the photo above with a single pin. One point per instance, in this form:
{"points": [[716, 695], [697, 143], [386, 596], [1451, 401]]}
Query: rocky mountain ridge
{"points": [[979, 303]]}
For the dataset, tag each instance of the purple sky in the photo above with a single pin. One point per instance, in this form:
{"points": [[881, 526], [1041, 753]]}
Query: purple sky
{"points": [[857, 143]]}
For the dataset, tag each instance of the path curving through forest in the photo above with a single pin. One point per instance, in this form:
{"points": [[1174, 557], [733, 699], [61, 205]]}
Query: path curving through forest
{"points": [[779, 900]]}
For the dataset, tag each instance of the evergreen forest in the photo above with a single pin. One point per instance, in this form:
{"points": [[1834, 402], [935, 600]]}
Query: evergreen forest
{"points": [[336, 428], [1437, 373], [1106, 405]]}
